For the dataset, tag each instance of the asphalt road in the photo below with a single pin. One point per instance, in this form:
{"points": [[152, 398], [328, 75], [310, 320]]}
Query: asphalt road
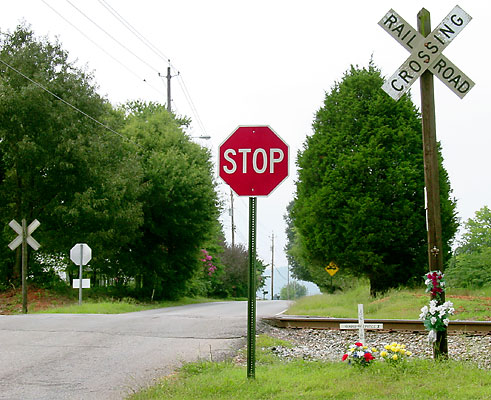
{"points": [[77, 356]]}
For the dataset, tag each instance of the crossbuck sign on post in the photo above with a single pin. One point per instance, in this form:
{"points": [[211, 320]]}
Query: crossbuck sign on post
{"points": [[24, 237], [426, 53], [426, 60]]}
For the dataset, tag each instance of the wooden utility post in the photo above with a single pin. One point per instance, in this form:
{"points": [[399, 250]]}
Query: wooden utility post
{"points": [[430, 157], [169, 76], [432, 181]]}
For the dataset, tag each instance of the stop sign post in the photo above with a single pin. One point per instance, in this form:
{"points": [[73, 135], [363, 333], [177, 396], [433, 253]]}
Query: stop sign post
{"points": [[80, 254], [253, 160]]}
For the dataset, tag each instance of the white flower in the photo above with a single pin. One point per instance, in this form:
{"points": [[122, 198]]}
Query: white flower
{"points": [[432, 337], [360, 353], [433, 320], [446, 321]]}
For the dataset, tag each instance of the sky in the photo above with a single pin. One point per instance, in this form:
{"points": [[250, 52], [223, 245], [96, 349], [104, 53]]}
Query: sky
{"points": [[268, 62]]}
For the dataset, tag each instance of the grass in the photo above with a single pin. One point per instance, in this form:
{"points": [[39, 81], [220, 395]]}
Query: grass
{"points": [[277, 379], [395, 304], [120, 306]]}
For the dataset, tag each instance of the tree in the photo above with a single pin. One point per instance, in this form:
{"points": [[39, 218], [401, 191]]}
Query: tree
{"points": [[471, 264], [57, 165], [180, 206], [292, 291], [236, 270], [360, 200]]}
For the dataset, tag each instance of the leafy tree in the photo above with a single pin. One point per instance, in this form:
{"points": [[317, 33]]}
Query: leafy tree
{"points": [[471, 264], [292, 291], [179, 201], [236, 270], [59, 166], [360, 199]]}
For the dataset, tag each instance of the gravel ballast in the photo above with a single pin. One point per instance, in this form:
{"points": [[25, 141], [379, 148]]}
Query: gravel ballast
{"points": [[330, 345]]}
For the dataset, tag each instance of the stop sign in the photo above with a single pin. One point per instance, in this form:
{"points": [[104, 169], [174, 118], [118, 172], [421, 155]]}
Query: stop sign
{"points": [[253, 160]]}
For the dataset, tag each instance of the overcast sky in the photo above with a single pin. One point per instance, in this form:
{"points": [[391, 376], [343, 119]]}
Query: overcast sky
{"points": [[269, 62]]}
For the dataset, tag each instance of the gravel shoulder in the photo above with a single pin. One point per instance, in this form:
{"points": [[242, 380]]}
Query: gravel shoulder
{"points": [[330, 345]]}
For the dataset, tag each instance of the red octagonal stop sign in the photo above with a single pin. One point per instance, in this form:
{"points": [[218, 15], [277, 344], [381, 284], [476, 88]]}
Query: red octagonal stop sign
{"points": [[253, 160]]}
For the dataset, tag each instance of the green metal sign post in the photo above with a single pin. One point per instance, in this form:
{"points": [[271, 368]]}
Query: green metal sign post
{"points": [[251, 302]]}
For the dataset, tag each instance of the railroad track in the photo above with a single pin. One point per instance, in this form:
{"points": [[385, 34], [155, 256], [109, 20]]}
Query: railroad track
{"points": [[389, 325]]}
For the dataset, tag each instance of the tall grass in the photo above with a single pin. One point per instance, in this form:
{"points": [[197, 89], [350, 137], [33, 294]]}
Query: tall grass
{"points": [[277, 379], [395, 304]]}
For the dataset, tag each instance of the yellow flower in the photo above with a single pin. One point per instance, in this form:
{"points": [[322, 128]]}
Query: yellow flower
{"points": [[394, 349], [365, 347], [403, 346], [387, 346], [374, 350], [408, 353], [393, 344], [402, 351], [383, 353], [394, 357]]}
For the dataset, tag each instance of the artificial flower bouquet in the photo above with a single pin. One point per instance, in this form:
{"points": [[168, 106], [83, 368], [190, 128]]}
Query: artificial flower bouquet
{"points": [[436, 317], [359, 355], [435, 283], [395, 353]]}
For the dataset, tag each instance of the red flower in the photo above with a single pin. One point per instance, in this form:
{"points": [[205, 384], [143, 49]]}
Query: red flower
{"points": [[345, 356], [368, 357], [358, 344]]}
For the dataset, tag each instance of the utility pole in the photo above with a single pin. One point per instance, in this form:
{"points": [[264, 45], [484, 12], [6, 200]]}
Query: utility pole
{"points": [[232, 216], [288, 282], [272, 266], [169, 76]]}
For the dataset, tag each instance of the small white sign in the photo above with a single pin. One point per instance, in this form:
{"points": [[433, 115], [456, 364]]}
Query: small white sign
{"points": [[85, 283], [361, 326]]}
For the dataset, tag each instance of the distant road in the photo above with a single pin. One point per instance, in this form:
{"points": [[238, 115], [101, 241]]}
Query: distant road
{"points": [[78, 356]]}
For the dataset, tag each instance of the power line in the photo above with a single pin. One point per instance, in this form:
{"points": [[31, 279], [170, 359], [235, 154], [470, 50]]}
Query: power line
{"points": [[63, 100], [134, 31], [191, 103], [160, 54], [100, 47], [112, 37]]}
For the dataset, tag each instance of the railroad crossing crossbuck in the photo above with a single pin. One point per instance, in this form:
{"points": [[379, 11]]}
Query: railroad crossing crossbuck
{"points": [[426, 53]]}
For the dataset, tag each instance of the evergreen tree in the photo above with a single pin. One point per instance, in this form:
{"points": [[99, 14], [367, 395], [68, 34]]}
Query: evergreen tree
{"points": [[360, 191]]}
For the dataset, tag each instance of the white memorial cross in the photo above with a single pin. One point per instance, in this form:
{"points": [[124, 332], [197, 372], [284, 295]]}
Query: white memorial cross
{"points": [[426, 53], [361, 326]]}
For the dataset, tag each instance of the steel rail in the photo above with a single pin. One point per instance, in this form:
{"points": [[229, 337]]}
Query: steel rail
{"points": [[301, 321]]}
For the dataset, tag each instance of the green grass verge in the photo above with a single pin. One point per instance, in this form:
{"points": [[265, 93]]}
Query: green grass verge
{"points": [[121, 306], [277, 379], [395, 304]]}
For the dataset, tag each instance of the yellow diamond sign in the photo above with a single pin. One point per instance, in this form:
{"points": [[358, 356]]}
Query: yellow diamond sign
{"points": [[332, 268]]}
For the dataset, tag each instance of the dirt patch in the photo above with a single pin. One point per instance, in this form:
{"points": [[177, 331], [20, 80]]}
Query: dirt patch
{"points": [[37, 299], [454, 296]]}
